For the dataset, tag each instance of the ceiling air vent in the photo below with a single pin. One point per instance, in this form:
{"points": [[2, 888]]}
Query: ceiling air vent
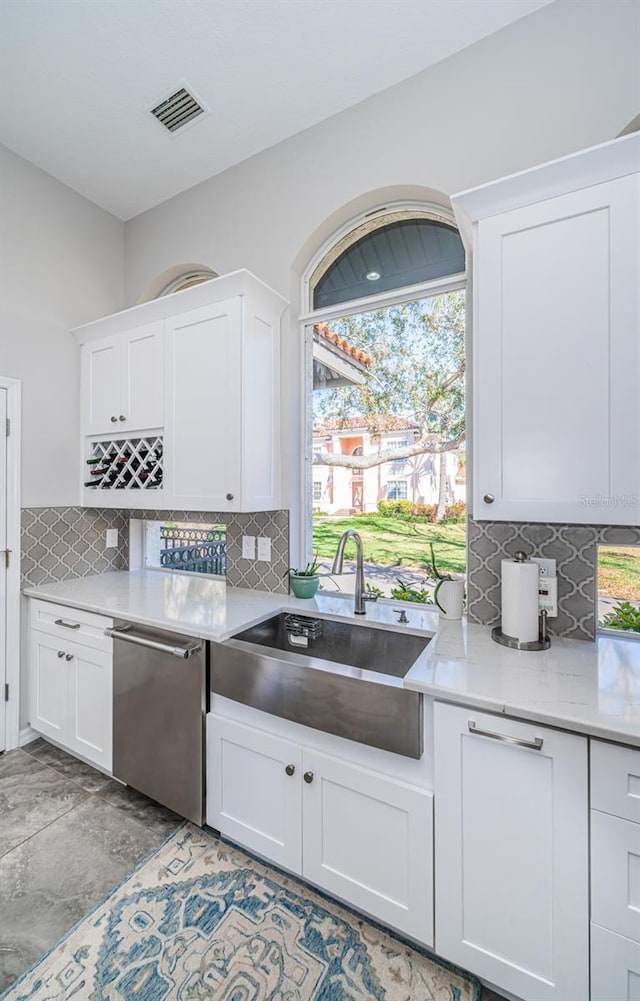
{"points": [[177, 110]]}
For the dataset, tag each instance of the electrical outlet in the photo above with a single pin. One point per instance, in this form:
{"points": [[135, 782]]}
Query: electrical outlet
{"points": [[264, 548], [547, 568], [548, 595], [111, 538], [248, 547]]}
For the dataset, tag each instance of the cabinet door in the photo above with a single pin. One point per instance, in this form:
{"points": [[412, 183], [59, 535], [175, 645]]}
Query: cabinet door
{"points": [[203, 420], [49, 686], [254, 790], [556, 356], [511, 827], [615, 874], [101, 363], [615, 967], [90, 703], [142, 398], [369, 840]]}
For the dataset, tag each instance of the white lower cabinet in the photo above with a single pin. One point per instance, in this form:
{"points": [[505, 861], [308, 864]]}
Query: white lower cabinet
{"points": [[254, 793], [359, 835], [369, 840], [49, 687], [615, 872], [615, 966], [71, 682], [511, 853]]}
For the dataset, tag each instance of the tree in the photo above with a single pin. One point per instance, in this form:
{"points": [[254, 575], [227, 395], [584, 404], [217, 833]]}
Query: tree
{"points": [[416, 372]]}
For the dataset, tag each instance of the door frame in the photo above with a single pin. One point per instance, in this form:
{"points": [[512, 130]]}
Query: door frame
{"points": [[12, 652]]}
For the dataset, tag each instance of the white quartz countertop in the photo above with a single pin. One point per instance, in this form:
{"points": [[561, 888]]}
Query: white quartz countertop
{"points": [[591, 688]]}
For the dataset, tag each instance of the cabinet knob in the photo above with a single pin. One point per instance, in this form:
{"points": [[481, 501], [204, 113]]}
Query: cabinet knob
{"points": [[308, 777], [60, 653], [122, 417], [290, 769], [114, 420], [488, 498], [68, 656], [229, 496]]}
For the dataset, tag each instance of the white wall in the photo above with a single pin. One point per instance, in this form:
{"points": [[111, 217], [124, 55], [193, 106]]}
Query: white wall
{"points": [[61, 264], [557, 81], [561, 79]]}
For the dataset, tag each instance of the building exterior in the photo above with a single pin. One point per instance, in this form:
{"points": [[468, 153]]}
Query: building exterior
{"points": [[339, 490]]}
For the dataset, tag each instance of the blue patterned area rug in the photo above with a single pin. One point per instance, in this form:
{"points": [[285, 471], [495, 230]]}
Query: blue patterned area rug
{"points": [[201, 920]]}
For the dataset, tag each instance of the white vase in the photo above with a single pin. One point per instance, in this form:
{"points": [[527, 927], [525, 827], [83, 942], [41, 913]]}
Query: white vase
{"points": [[450, 599]]}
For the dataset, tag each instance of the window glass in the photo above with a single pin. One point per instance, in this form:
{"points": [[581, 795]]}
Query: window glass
{"points": [[401, 253], [187, 547], [619, 589], [386, 434]]}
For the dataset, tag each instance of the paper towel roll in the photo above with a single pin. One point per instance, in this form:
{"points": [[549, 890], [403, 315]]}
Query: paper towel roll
{"points": [[520, 600]]}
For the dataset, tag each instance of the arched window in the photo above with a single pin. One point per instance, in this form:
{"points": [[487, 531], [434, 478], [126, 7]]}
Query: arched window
{"points": [[384, 334], [394, 250]]}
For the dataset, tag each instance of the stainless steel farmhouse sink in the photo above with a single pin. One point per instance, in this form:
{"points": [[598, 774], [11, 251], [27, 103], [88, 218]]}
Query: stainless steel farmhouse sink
{"points": [[340, 677]]}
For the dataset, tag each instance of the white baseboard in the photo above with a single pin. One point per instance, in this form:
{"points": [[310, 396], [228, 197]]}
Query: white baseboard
{"points": [[27, 735]]}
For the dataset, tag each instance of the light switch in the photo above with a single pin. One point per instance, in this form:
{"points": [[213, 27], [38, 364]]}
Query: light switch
{"points": [[111, 538], [264, 548], [248, 547]]}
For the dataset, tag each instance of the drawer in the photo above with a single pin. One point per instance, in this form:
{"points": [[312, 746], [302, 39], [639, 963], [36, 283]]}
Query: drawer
{"points": [[615, 780], [615, 874], [615, 966], [71, 625]]}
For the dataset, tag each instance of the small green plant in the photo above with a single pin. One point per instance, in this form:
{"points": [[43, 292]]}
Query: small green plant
{"points": [[311, 569], [408, 592], [624, 616], [437, 576], [371, 589]]}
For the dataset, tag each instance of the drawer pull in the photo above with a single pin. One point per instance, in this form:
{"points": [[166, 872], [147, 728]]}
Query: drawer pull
{"points": [[308, 777], [534, 745], [60, 654], [67, 625], [290, 769]]}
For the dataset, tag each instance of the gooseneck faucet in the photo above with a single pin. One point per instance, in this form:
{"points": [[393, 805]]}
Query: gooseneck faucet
{"points": [[359, 608]]}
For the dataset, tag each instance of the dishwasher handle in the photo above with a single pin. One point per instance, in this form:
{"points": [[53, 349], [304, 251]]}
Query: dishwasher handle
{"points": [[183, 652]]}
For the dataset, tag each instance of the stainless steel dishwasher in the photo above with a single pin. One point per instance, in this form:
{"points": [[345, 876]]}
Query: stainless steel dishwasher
{"points": [[159, 715]]}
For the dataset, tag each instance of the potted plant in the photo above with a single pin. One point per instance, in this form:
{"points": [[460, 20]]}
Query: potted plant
{"points": [[449, 591], [304, 583]]}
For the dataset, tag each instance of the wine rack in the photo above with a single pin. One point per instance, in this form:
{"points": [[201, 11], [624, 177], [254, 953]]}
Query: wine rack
{"points": [[125, 464]]}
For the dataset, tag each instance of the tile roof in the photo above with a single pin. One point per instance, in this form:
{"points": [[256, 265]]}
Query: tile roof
{"points": [[322, 329], [378, 423]]}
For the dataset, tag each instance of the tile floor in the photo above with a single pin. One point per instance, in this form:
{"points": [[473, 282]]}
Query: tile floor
{"points": [[68, 836]]}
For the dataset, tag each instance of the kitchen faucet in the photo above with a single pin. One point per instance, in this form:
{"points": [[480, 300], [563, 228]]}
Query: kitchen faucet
{"points": [[360, 596]]}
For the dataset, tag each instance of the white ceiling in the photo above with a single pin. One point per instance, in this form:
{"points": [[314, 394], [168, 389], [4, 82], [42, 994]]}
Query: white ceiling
{"points": [[78, 77]]}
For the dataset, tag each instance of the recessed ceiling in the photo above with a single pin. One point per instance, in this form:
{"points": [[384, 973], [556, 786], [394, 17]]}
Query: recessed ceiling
{"points": [[79, 78]]}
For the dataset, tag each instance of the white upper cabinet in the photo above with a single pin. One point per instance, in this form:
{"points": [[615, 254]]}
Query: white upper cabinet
{"points": [[556, 339], [222, 430], [122, 382], [181, 400]]}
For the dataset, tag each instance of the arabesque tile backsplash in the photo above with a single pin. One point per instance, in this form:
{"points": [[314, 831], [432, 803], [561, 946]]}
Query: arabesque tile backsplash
{"points": [[574, 547], [58, 543], [63, 542]]}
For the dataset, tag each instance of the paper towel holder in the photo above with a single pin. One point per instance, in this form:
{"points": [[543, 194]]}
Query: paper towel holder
{"points": [[542, 643]]}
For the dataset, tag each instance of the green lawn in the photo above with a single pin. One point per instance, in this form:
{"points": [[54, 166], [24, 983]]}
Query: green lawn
{"points": [[396, 541], [619, 571]]}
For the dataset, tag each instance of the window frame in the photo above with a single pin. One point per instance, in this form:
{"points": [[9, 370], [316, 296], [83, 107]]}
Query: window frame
{"points": [[381, 300]]}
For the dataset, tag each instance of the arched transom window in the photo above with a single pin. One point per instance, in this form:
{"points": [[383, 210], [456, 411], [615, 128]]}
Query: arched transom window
{"points": [[392, 251]]}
